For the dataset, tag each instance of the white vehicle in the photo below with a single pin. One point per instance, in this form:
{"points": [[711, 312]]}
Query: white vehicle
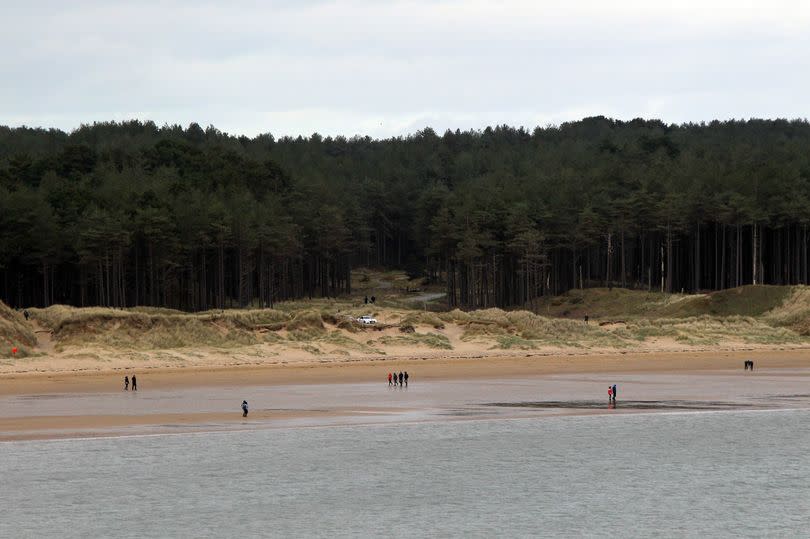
{"points": [[366, 319]]}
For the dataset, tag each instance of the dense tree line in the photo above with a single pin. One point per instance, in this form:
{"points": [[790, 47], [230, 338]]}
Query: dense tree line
{"points": [[124, 214]]}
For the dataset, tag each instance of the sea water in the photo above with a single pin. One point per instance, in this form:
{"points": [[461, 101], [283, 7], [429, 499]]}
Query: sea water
{"points": [[682, 474]]}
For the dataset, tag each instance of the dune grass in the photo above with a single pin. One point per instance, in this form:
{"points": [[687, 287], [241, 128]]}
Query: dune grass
{"points": [[428, 340], [601, 303], [15, 333], [140, 329], [620, 319]]}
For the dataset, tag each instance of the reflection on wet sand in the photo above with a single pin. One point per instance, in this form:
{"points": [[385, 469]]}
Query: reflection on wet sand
{"points": [[628, 405], [191, 408]]}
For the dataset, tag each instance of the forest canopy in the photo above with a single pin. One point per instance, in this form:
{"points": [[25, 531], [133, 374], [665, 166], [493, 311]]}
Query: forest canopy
{"points": [[123, 214]]}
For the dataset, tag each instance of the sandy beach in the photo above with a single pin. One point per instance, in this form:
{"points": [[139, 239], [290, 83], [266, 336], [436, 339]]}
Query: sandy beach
{"points": [[57, 405]]}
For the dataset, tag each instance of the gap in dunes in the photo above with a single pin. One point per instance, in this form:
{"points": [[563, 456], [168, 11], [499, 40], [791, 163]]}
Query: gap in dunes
{"points": [[411, 322]]}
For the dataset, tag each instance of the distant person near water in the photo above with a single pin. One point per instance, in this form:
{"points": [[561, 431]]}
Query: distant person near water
{"points": [[406, 378], [400, 378], [610, 393], [244, 408], [749, 364], [614, 392], [390, 376], [126, 383], [134, 383]]}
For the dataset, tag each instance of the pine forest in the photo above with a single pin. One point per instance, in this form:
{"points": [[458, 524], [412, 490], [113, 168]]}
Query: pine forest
{"points": [[125, 214]]}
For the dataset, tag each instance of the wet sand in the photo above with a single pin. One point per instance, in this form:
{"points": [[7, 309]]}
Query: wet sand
{"points": [[187, 400]]}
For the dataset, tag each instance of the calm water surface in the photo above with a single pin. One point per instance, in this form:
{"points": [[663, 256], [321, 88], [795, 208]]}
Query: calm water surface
{"points": [[688, 474]]}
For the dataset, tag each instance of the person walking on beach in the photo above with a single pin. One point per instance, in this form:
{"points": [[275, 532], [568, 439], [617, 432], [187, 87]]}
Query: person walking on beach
{"points": [[610, 393], [126, 383], [389, 379], [134, 383], [406, 378], [614, 392], [400, 378], [244, 408]]}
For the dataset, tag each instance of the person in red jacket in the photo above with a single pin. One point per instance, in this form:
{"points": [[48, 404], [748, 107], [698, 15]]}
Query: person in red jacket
{"points": [[610, 393], [389, 379]]}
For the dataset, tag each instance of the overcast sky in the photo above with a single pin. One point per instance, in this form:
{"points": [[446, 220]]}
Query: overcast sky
{"points": [[388, 68]]}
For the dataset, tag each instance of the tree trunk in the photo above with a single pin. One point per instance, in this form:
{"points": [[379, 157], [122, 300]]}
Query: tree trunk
{"points": [[754, 241], [669, 259], [697, 258], [624, 272], [221, 276]]}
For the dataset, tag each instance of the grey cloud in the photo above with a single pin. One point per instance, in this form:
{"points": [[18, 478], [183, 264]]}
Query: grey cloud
{"points": [[387, 68]]}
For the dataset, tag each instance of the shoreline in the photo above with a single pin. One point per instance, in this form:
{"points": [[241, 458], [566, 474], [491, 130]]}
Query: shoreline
{"points": [[92, 404], [203, 429], [430, 367]]}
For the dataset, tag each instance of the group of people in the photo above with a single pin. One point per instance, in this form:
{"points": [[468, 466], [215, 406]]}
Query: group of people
{"points": [[401, 379], [134, 383], [366, 300], [612, 393], [749, 365]]}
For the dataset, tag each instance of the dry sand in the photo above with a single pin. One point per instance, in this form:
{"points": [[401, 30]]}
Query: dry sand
{"points": [[71, 404]]}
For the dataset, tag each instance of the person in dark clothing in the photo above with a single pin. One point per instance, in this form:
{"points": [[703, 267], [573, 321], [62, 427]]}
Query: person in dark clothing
{"points": [[614, 392], [400, 378], [26, 314], [244, 408], [373, 299], [406, 378], [126, 383], [134, 383], [586, 319], [365, 300]]}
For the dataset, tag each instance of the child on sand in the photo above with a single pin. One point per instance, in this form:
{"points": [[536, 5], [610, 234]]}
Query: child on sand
{"points": [[244, 408]]}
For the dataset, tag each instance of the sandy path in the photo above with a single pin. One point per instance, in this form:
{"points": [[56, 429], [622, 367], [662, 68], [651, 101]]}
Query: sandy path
{"points": [[44, 336], [429, 296]]}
